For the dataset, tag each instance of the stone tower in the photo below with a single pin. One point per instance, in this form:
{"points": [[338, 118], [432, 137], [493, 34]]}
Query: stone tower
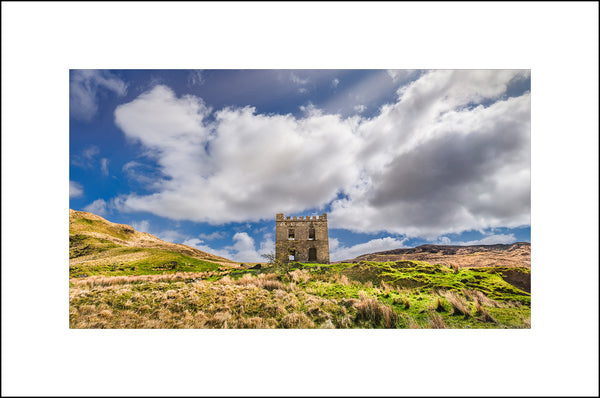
{"points": [[303, 239]]}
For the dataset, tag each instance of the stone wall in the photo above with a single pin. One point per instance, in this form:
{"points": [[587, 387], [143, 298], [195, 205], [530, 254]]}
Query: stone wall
{"points": [[306, 238]]}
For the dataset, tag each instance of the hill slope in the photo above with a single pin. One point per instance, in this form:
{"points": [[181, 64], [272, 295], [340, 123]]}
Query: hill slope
{"points": [[98, 246], [513, 255]]}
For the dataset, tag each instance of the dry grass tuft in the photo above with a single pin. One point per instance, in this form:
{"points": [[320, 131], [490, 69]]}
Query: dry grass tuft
{"points": [[458, 303], [476, 295], [272, 284], [372, 311], [296, 320], [300, 275], [436, 321]]}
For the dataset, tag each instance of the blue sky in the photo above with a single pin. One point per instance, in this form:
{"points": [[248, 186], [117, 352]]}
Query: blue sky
{"points": [[397, 158]]}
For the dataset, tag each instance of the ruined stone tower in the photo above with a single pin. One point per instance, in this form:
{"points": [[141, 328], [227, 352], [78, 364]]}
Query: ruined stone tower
{"points": [[303, 239]]}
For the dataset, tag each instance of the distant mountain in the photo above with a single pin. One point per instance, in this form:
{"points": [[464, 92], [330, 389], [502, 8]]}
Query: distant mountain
{"points": [[512, 255], [97, 245]]}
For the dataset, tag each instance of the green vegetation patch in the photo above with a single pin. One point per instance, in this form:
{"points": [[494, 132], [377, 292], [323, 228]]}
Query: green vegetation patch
{"points": [[402, 294], [83, 245], [154, 262]]}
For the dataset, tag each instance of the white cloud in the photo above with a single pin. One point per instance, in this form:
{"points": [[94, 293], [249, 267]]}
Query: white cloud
{"points": [[212, 236], [243, 249], [170, 235], [248, 166], [97, 207], [84, 90], [488, 240], [433, 166], [339, 253], [432, 163], [75, 190], [104, 166], [335, 82], [141, 226], [199, 244], [267, 245]]}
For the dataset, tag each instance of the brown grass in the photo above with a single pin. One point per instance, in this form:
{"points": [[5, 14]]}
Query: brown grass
{"points": [[436, 321], [372, 311], [127, 279], [458, 303], [297, 320], [476, 295]]}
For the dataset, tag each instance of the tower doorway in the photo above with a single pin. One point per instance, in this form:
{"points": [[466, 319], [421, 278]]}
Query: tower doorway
{"points": [[312, 254]]}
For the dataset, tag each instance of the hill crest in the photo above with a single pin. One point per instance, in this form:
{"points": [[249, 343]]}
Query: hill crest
{"points": [[92, 225], [513, 255]]}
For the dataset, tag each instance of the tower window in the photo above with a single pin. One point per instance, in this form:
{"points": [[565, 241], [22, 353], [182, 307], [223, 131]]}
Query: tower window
{"points": [[292, 255], [291, 234], [311, 234]]}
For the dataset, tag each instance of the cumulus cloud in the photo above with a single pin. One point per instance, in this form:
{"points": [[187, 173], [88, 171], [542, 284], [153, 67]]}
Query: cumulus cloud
{"points": [[85, 87], [245, 168], [98, 207], [435, 166], [242, 250], [335, 82], [436, 161], [339, 253], [75, 190]]}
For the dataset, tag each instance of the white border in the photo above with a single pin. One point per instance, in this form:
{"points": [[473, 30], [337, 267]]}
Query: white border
{"points": [[41, 41]]}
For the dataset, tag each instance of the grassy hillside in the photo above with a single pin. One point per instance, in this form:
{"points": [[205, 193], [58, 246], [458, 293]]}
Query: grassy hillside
{"points": [[121, 278], [367, 295], [99, 247]]}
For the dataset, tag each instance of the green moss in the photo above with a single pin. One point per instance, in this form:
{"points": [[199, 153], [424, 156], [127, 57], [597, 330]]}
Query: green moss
{"points": [[157, 261]]}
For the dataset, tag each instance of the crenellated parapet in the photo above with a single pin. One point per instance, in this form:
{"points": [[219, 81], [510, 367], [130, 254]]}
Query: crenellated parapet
{"points": [[282, 217]]}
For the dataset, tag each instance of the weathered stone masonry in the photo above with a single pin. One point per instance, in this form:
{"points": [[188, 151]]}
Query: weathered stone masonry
{"points": [[303, 239]]}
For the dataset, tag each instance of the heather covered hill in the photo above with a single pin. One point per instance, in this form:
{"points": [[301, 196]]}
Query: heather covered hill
{"points": [[499, 255]]}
